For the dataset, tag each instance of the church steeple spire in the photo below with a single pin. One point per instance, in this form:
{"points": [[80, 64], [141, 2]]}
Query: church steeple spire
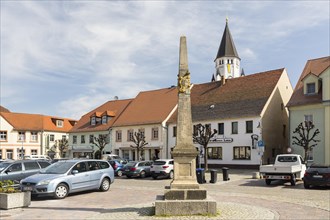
{"points": [[227, 61]]}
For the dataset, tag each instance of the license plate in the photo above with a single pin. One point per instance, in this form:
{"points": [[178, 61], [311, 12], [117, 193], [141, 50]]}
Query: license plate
{"points": [[27, 188], [127, 170], [318, 176]]}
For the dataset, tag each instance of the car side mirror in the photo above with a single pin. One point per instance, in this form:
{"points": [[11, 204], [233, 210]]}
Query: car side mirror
{"points": [[74, 172]]}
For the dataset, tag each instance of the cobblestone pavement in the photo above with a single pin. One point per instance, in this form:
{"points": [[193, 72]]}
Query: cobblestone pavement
{"points": [[239, 198]]}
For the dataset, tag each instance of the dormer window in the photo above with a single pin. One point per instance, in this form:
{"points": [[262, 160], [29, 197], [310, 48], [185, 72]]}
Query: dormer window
{"points": [[59, 123], [310, 88], [93, 120], [104, 119]]}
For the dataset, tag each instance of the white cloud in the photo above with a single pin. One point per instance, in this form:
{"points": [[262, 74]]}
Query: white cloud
{"points": [[90, 50]]}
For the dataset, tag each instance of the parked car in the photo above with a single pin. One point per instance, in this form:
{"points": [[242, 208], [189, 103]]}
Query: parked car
{"points": [[37, 157], [59, 159], [20, 169], [69, 176], [317, 175], [162, 167], [137, 169], [117, 167]]}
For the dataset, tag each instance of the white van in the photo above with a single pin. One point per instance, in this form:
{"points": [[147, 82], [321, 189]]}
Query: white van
{"points": [[37, 157]]}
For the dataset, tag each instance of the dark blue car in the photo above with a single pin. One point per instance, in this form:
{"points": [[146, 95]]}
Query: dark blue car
{"points": [[117, 167]]}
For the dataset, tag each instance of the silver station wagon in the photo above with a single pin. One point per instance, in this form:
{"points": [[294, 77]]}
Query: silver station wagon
{"points": [[69, 176]]}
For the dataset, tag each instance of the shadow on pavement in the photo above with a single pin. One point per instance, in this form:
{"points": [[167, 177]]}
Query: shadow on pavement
{"points": [[143, 211]]}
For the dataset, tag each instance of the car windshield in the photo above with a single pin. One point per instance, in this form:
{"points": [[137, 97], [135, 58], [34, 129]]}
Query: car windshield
{"points": [[159, 162], [58, 168], [4, 165]]}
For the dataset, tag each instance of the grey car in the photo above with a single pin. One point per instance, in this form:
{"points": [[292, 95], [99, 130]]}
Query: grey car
{"points": [[137, 169], [69, 176], [20, 169]]}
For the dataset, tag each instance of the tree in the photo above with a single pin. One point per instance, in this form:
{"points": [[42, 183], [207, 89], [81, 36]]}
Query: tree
{"points": [[305, 137], [101, 141], [139, 140], [63, 145], [202, 135]]}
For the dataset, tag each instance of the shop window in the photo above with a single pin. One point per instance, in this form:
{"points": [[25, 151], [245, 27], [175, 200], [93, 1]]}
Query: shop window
{"points": [[242, 153], [214, 153]]}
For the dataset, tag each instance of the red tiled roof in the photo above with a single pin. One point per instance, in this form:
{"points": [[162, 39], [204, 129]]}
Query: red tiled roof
{"points": [[149, 107], [314, 67], [238, 97], [36, 122], [111, 108], [3, 109]]}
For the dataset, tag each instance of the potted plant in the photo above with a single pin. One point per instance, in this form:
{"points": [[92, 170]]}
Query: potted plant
{"points": [[11, 197]]}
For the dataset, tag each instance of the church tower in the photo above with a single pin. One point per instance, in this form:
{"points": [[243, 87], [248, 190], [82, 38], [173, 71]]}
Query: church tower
{"points": [[227, 62]]}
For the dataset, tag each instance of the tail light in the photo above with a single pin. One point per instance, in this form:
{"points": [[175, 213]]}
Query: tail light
{"points": [[115, 166], [306, 174], [133, 168], [165, 167]]}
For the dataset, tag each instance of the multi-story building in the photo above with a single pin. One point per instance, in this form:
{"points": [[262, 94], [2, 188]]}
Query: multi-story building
{"points": [[24, 134], [93, 124], [249, 115], [147, 114], [310, 103]]}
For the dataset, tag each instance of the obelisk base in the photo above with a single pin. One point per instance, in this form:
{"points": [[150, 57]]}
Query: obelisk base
{"points": [[184, 207]]}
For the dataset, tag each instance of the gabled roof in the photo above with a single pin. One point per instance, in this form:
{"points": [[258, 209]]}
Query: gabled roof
{"points": [[227, 47], [315, 67], [36, 122], [238, 97], [149, 107], [111, 108]]}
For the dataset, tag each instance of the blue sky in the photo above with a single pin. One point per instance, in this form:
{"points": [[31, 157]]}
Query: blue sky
{"points": [[65, 58]]}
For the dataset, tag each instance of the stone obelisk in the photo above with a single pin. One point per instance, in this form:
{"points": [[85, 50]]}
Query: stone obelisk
{"points": [[184, 197], [184, 152]]}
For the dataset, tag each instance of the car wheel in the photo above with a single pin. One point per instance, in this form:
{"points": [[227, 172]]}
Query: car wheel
{"points": [[171, 174], [154, 177], [105, 185], [268, 181], [128, 176], [306, 186], [120, 173], [143, 174], [61, 191]]}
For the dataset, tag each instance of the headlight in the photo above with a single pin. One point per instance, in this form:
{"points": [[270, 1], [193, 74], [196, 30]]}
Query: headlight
{"points": [[45, 182]]}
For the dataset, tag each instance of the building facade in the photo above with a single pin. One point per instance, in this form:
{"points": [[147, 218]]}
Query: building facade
{"points": [[310, 103], [31, 134], [249, 115], [95, 124], [147, 114]]}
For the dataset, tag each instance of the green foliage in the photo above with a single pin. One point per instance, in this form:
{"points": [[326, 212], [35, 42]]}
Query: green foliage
{"points": [[7, 186]]}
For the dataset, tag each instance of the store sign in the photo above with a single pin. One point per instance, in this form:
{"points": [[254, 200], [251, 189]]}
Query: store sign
{"points": [[222, 140]]}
